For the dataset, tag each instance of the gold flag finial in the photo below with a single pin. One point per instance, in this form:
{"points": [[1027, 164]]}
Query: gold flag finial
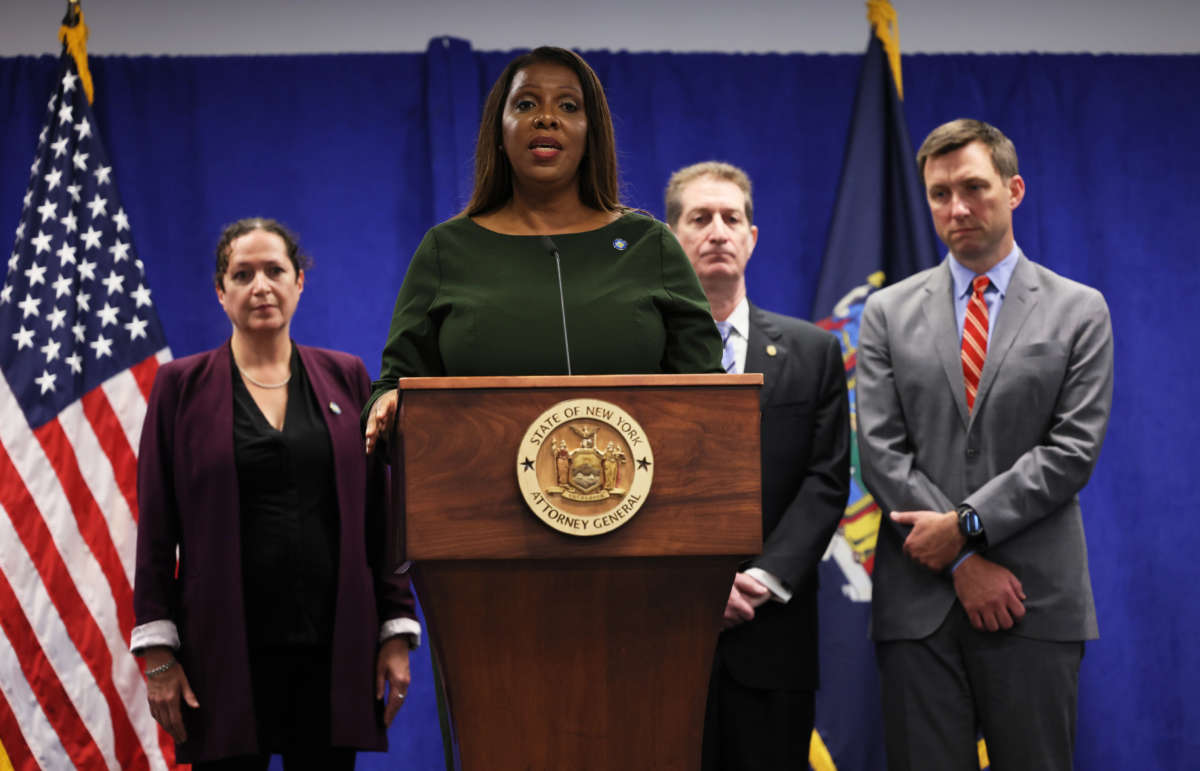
{"points": [[73, 34], [882, 17]]}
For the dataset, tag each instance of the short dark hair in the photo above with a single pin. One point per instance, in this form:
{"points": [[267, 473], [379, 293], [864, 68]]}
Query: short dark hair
{"points": [[956, 134], [719, 169], [598, 185], [233, 231]]}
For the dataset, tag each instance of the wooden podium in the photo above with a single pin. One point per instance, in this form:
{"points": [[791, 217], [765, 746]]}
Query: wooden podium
{"points": [[566, 653]]}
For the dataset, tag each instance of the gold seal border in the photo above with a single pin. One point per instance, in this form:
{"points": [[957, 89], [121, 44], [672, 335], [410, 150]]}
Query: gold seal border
{"points": [[560, 415]]}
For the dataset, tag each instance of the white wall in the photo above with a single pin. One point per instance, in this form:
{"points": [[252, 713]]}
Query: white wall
{"points": [[311, 26]]}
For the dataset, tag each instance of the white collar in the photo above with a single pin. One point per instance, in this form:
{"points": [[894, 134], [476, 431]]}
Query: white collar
{"points": [[740, 318]]}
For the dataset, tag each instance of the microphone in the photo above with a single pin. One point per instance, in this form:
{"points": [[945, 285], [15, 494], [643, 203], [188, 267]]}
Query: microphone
{"points": [[549, 245]]}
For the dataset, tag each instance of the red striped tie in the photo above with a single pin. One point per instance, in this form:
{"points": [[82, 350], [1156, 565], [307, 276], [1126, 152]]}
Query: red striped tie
{"points": [[974, 339]]}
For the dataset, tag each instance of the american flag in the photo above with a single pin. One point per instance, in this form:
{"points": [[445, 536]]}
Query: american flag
{"points": [[80, 343]]}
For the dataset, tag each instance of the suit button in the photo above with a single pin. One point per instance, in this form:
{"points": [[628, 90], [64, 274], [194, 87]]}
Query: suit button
{"points": [[972, 452]]}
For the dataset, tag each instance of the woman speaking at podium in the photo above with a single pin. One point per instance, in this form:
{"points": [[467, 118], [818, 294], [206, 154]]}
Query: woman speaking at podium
{"points": [[545, 272]]}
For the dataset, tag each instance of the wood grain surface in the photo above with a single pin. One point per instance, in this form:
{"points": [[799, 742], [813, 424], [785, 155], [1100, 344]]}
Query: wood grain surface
{"points": [[458, 454], [560, 652], [586, 665]]}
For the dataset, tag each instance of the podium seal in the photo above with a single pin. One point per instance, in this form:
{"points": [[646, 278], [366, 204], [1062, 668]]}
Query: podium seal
{"points": [[585, 467]]}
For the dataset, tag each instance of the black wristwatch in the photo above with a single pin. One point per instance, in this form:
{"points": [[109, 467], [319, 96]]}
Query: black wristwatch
{"points": [[970, 525]]}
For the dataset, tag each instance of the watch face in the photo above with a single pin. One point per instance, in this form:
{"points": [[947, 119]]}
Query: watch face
{"points": [[969, 523]]}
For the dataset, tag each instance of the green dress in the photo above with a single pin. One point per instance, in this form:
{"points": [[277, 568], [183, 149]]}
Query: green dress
{"points": [[477, 302]]}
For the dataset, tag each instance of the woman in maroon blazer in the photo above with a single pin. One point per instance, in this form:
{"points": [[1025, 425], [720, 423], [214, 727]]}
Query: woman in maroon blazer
{"points": [[281, 630]]}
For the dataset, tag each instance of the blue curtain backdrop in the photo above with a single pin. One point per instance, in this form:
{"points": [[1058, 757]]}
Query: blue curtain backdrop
{"points": [[362, 153]]}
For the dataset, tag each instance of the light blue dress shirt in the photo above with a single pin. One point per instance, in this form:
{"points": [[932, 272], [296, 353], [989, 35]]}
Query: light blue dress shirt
{"points": [[1000, 275]]}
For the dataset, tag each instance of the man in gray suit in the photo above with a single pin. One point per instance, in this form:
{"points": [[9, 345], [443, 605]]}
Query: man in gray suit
{"points": [[984, 388], [761, 693]]}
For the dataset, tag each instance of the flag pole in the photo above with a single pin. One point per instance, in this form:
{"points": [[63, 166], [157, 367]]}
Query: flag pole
{"points": [[879, 233], [882, 17], [80, 344], [74, 34]]}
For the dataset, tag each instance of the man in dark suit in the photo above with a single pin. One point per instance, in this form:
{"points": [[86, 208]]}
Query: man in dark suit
{"points": [[984, 387], [761, 693]]}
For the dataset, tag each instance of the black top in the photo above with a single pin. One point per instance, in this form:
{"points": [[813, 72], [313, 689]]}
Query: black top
{"points": [[289, 517]]}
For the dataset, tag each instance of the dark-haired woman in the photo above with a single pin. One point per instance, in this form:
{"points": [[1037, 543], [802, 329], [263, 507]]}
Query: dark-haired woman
{"points": [[281, 627], [482, 293]]}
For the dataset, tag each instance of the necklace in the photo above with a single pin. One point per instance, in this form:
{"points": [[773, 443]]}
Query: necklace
{"points": [[265, 385]]}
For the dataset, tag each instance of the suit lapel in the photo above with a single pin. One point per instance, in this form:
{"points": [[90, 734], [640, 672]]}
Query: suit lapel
{"points": [[327, 394], [939, 313], [1020, 299], [208, 431], [763, 334], [214, 392]]}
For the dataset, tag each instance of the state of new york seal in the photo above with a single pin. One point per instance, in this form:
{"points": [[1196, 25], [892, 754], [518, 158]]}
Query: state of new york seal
{"points": [[585, 467]]}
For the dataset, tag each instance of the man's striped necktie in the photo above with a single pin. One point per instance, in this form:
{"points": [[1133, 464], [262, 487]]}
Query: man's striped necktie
{"points": [[975, 338]]}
